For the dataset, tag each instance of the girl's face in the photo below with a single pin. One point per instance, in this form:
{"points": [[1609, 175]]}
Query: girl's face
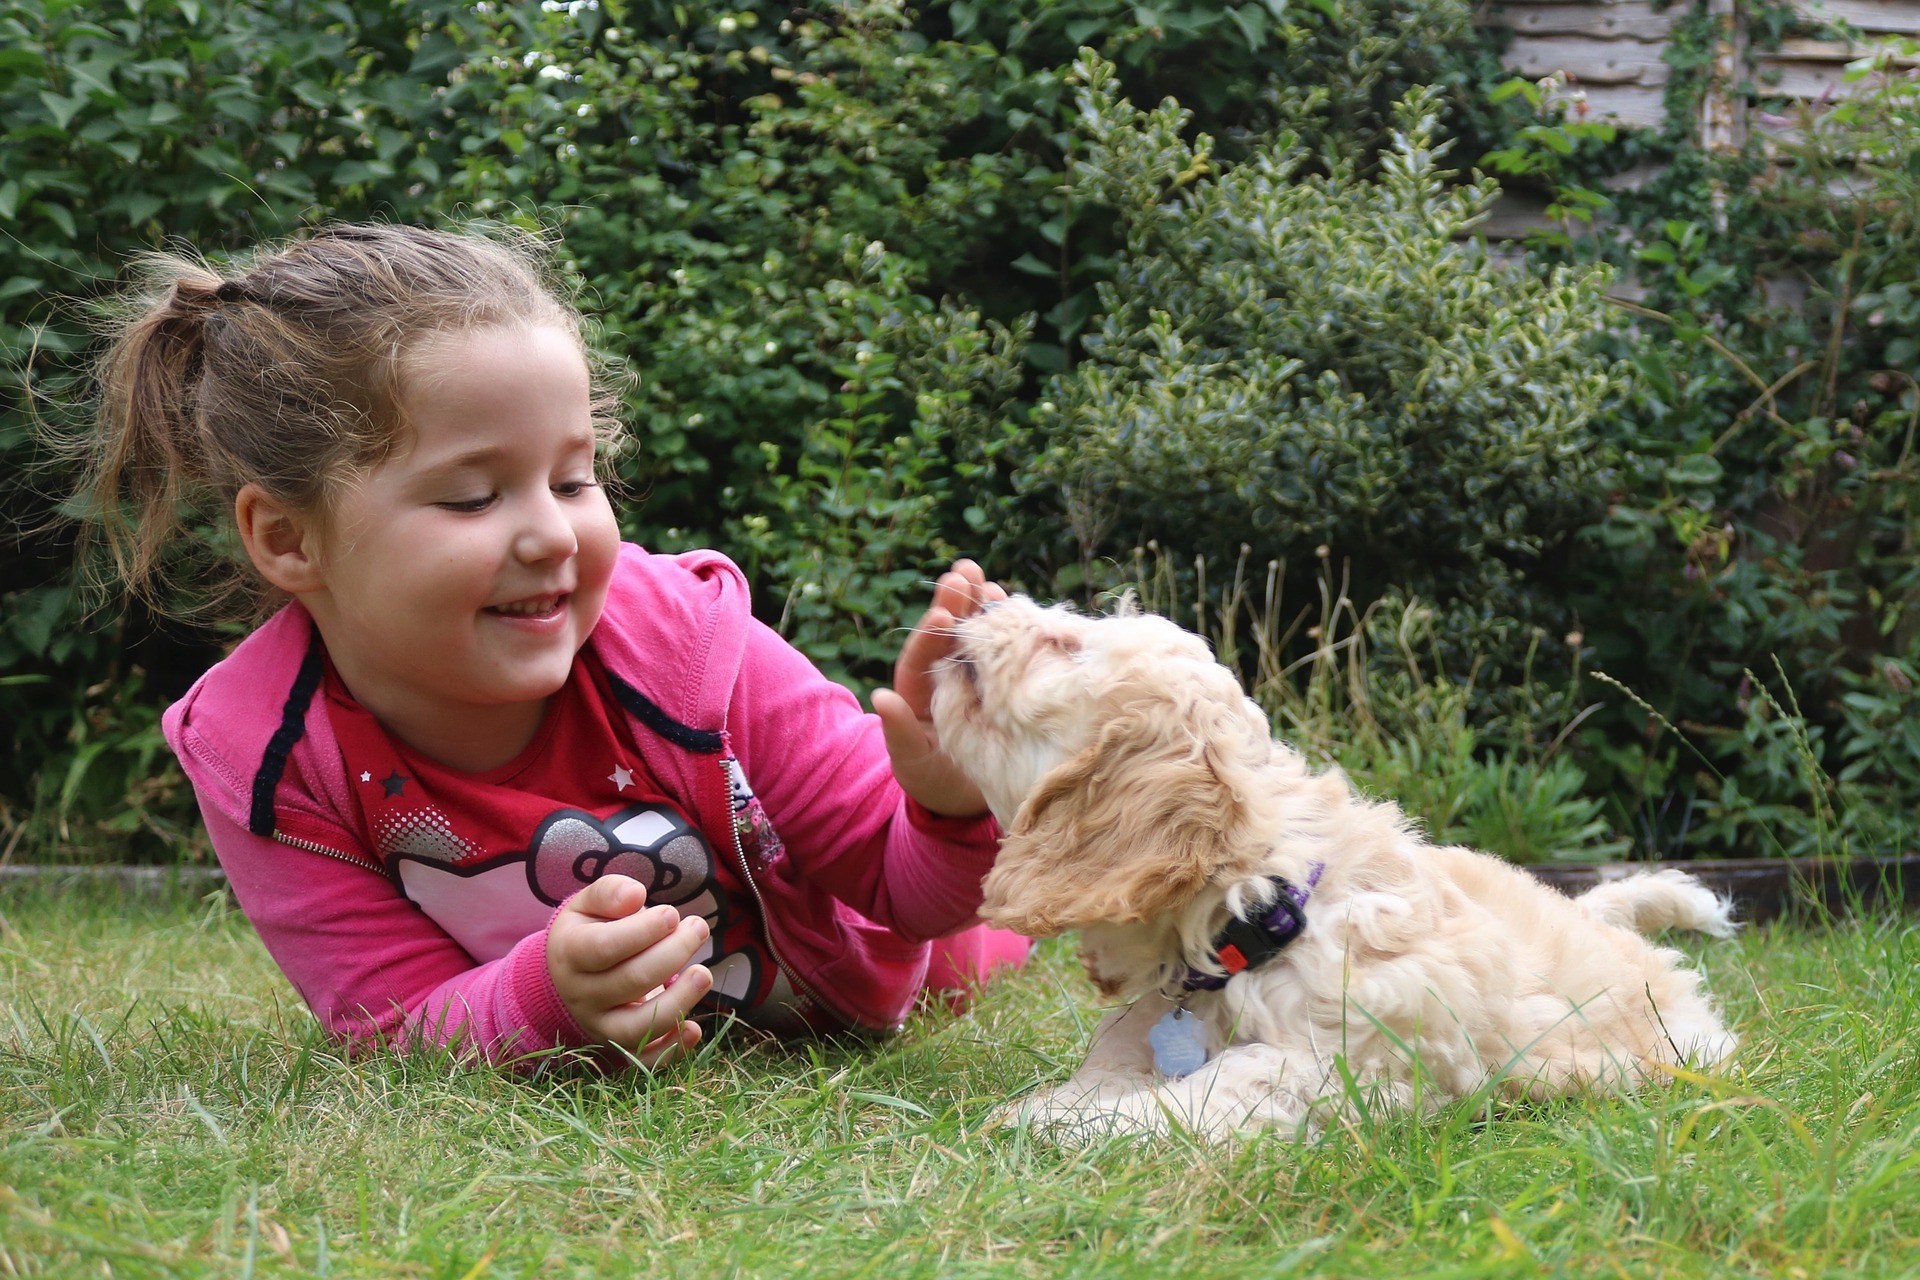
{"points": [[463, 574]]}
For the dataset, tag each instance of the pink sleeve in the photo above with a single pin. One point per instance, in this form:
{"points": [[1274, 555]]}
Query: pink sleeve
{"points": [[819, 765], [374, 968]]}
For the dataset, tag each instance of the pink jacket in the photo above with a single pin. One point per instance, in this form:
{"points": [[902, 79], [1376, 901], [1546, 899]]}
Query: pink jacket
{"points": [[857, 881]]}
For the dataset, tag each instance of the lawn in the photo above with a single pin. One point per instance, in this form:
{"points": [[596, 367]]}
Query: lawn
{"points": [[166, 1108]]}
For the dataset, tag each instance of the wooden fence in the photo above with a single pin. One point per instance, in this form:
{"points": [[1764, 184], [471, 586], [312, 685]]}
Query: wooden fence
{"points": [[1613, 52]]}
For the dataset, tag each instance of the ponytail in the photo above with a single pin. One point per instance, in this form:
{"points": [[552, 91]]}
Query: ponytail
{"points": [[149, 469]]}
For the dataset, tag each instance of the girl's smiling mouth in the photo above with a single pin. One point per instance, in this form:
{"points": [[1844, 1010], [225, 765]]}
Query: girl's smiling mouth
{"points": [[536, 607]]}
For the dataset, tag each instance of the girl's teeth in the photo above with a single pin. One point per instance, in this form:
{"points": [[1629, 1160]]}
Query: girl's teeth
{"points": [[528, 608]]}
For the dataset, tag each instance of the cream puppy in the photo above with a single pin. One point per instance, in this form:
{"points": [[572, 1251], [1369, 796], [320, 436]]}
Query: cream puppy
{"points": [[1286, 948]]}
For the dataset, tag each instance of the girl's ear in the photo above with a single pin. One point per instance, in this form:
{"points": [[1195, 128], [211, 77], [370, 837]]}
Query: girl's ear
{"points": [[280, 542]]}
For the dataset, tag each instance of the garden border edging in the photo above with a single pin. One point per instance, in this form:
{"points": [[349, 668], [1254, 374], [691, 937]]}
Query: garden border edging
{"points": [[1766, 888], [1761, 888]]}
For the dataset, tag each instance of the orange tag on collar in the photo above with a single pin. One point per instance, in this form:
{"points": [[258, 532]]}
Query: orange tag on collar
{"points": [[1232, 959]]}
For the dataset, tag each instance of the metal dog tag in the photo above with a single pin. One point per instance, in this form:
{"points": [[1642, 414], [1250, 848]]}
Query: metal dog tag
{"points": [[1179, 1048]]}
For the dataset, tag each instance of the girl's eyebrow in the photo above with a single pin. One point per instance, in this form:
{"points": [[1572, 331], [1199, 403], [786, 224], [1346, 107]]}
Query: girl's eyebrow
{"points": [[481, 455], [466, 458]]}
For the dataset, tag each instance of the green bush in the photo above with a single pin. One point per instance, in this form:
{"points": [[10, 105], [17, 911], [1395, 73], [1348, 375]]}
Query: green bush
{"points": [[1367, 689], [897, 284], [217, 123], [1286, 359], [1760, 537], [765, 207]]}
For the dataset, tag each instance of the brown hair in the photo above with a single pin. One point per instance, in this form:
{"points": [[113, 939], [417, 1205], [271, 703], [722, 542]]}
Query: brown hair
{"points": [[285, 371]]}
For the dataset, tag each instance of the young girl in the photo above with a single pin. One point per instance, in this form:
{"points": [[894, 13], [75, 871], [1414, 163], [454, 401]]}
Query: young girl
{"points": [[489, 777]]}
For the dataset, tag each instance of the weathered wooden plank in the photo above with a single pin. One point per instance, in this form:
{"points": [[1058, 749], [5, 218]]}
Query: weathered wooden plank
{"points": [[1631, 19], [1834, 51], [1588, 62], [1635, 106], [1809, 79], [1899, 17], [1804, 80], [1633, 179], [1513, 215]]}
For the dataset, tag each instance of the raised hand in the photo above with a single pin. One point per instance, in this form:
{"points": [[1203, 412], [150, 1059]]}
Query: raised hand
{"points": [[906, 710]]}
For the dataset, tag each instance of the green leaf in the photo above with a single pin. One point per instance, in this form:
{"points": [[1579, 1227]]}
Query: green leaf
{"points": [[1518, 86], [1696, 468], [35, 615], [25, 62], [60, 216], [350, 173], [1252, 22], [137, 206], [62, 109]]}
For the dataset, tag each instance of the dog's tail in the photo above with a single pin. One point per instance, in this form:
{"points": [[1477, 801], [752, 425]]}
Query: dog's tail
{"points": [[1652, 901]]}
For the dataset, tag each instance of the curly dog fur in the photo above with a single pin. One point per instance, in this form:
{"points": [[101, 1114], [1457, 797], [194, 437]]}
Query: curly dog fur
{"points": [[1144, 798]]}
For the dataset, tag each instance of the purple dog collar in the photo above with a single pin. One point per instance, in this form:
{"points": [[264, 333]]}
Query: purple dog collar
{"points": [[1248, 944]]}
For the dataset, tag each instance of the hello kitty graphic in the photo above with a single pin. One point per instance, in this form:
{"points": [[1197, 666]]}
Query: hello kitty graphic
{"points": [[489, 908]]}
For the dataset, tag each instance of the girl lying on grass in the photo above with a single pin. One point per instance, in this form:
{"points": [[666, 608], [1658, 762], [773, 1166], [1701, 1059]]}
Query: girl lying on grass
{"points": [[489, 777]]}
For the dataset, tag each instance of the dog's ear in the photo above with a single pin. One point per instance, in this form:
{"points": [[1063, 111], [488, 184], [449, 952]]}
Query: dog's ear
{"points": [[1136, 824]]}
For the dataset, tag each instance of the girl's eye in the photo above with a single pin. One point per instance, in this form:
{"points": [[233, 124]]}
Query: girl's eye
{"points": [[574, 488], [468, 504]]}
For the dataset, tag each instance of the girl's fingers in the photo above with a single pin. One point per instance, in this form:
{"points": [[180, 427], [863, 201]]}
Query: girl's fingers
{"points": [[592, 946], [636, 977], [657, 1016], [957, 590], [611, 897], [965, 589], [905, 735], [672, 1047]]}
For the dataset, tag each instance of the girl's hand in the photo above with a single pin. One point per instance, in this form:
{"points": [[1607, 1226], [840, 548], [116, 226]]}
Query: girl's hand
{"points": [[622, 969], [906, 710]]}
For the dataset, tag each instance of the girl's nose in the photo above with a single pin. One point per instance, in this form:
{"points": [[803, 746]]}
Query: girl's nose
{"points": [[547, 533]]}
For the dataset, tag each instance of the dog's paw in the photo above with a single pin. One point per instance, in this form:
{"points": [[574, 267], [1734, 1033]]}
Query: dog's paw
{"points": [[1077, 1117]]}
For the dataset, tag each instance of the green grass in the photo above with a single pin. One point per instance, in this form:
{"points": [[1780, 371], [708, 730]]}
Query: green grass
{"points": [[166, 1108]]}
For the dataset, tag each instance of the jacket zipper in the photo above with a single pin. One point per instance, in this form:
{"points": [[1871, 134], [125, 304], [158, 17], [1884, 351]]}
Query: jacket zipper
{"points": [[766, 924], [311, 847]]}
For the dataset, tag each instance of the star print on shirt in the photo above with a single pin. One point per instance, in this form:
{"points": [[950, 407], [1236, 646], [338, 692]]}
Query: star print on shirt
{"points": [[621, 777], [365, 776], [395, 783]]}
